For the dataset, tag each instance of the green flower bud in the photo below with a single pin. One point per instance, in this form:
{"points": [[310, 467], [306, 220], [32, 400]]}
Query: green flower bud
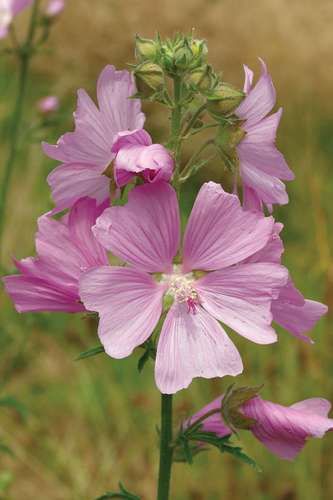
{"points": [[149, 78], [183, 56], [231, 407], [199, 48], [224, 99], [202, 78], [145, 48]]}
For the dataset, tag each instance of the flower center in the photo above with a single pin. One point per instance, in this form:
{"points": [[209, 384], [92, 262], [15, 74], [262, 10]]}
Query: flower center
{"points": [[181, 289]]}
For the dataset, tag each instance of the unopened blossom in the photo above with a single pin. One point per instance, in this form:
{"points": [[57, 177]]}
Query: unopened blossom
{"points": [[290, 309], [54, 7], [8, 10], [262, 166], [284, 430], [65, 249], [48, 104], [211, 283], [100, 133]]}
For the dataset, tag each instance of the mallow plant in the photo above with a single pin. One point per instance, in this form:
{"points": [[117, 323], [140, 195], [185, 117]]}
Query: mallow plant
{"points": [[114, 245]]}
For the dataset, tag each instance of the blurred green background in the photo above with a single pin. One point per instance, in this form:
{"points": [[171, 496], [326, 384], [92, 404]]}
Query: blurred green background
{"points": [[90, 423]]}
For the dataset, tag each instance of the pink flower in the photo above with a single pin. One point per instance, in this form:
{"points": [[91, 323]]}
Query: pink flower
{"points": [[262, 166], [210, 285], [54, 8], [65, 248], [282, 429], [48, 104], [99, 135], [290, 310], [8, 10]]}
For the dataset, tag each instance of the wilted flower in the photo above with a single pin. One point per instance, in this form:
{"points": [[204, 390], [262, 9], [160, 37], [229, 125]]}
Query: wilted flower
{"points": [[54, 8], [282, 429], [48, 104], [206, 288], [65, 249], [86, 153], [8, 10], [262, 166]]}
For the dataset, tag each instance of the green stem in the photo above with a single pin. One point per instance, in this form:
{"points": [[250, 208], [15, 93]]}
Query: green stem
{"points": [[194, 118], [25, 53], [166, 449], [186, 170], [176, 120]]}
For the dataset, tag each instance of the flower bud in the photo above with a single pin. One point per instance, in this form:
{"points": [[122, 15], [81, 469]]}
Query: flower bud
{"points": [[145, 49], [202, 78], [224, 99], [149, 77], [183, 56], [231, 407]]}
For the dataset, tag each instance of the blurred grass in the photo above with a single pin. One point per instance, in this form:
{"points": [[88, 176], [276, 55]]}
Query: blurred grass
{"points": [[91, 423]]}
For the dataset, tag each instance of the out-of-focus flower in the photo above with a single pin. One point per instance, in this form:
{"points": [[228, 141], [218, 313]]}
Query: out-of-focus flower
{"points": [[86, 154], [48, 104], [210, 285], [290, 309], [282, 429], [8, 10], [54, 8], [262, 166], [65, 249]]}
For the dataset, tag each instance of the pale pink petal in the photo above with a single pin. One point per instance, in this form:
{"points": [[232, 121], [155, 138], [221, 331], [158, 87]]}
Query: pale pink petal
{"points": [[192, 345], [266, 158], [251, 201], [119, 112], [129, 304], [272, 251], [260, 100], [284, 430], [213, 423], [70, 182], [317, 406], [144, 232], [19, 5], [248, 79], [268, 188], [220, 233], [241, 298]]}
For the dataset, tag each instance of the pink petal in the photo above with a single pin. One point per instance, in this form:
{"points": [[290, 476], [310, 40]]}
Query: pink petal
{"points": [[272, 251], [220, 233], [260, 100], [213, 423], [251, 201], [193, 345], [265, 158], [19, 5], [144, 232], [268, 188], [129, 304], [248, 79], [70, 182], [119, 112], [316, 406], [241, 298], [284, 430]]}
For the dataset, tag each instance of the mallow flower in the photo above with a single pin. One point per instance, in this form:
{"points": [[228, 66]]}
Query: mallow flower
{"points": [[65, 248], [111, 131], [262, 167], [191, 288], [8, 10], [48, 104], [284, 430], [54, 8], [289, 309]]}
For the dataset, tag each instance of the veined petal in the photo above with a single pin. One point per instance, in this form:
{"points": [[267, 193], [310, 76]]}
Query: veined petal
{"points": [[220, 233], [241, 297], [145, 232], [272, 251], [260, 100], [284, 430], [248, 79], [70, 182], [193, 345], [268, 188], [214, 423], [317, 406], [129, 304]]}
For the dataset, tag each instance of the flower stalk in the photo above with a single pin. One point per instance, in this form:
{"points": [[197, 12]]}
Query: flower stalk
{"points": [[166, 450], [25, 53]]}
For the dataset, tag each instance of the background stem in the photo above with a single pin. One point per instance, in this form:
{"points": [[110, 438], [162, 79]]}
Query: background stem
{"points": [[24, 52], [165, 448]]}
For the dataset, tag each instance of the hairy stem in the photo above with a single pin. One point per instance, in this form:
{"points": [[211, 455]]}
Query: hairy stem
{"points": [[166, 449], [24, 52]]}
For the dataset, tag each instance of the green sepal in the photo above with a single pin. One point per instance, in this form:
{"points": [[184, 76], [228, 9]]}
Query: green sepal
{"points": [[93, 351], [123, 493], [150, 353]]}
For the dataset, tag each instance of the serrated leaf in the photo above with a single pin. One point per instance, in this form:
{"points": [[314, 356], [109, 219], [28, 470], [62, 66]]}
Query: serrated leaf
{"points": [[238, 453], [90, 352]]}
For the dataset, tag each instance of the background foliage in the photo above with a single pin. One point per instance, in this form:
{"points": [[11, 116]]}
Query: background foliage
{"points": [[88, 424]]}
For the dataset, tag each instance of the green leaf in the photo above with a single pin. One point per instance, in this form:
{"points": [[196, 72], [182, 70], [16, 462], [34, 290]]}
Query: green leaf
{"points": [[12, 402], [150, 352], [123, 493], [238, 453], [93, 351]]}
